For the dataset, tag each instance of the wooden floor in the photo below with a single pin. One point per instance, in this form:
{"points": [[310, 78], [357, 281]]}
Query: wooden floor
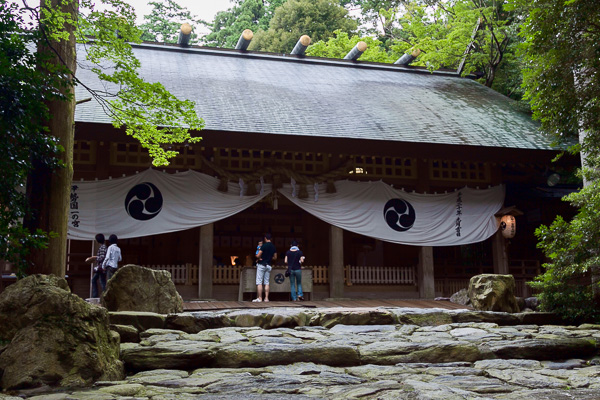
{"points": [[223, 305]]}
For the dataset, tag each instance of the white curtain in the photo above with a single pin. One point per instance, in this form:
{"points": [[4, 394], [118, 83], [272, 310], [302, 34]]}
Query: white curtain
{"points": [[377, 210], [151, 203]]}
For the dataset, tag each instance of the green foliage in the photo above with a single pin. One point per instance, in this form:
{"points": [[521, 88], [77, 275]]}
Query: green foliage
{"points": [[562, 63], [568, 299], [565, 286], [147, 110], [164, 22], [443, 30], [379, 17], [562, 84], [246, 14], [315, 18], [24, 90], [339, 45], [572, 247], [29, 79]]}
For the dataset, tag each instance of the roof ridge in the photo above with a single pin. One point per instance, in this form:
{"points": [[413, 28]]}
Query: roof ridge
{"points": [[258, 55]]}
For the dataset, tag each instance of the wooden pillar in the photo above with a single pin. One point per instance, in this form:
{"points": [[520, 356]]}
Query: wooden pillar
{"points": [[336, 262], [499, 253], [425, 273], [95, 247], [205, 264]]}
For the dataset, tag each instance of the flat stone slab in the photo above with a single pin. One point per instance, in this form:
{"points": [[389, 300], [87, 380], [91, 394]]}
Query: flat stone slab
{"points": [[349, 345], [411, 358], [313, 381], [193, 322]]}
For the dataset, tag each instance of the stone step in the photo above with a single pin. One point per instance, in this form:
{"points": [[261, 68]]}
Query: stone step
{"points": [[267, 318], [354, 345]]}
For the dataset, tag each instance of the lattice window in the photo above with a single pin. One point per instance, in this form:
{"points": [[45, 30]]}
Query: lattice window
{"points": [[251, 160], [129, 154], [84, 152], [133, 154], [188, 158], [459, 171], [388, 167]]}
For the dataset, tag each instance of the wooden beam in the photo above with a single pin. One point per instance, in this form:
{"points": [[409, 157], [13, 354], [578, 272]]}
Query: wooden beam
{"points": [[301, 45], [425, 275], [336, 262], [185, 33], [244, 40], [406, 59], [356, 52], [205, 264]]}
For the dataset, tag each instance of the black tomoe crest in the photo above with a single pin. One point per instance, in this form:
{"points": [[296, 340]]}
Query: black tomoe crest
{"points": [[399, 214], [144, 201]]}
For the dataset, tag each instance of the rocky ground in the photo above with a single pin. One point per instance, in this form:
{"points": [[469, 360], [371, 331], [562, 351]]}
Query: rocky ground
{"points": [[348, 353]]}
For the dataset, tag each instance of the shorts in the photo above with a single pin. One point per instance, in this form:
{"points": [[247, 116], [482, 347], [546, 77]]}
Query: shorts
{"points": [[263, 274]]}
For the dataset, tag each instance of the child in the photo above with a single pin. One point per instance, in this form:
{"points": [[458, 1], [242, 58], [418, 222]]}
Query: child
{"points": [[258, 248]]}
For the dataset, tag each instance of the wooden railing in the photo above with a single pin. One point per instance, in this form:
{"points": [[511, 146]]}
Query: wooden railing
{"points": [[320, 274], [379, 275], [181, 274], [523, 271], [226, 274], [353, 275], [367, 275]]}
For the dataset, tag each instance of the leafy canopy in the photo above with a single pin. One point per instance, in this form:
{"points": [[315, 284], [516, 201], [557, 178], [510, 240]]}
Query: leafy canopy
{"points": [[164, 22], [315, 18], [30, 79], [562, 83], [22, 110], [245, 14], [341, 43], [444, 30], [148, 111], [379, 17], [441, 32]]}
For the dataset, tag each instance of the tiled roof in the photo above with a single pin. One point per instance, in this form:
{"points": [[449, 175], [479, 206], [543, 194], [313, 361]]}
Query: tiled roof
{"points": [[326, 98]]}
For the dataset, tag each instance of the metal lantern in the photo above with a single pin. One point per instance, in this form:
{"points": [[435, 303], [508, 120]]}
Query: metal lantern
{"points": [[508, 226]]}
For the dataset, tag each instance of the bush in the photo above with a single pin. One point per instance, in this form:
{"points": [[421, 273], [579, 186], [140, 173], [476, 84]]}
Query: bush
{"points": [[567, 286]]}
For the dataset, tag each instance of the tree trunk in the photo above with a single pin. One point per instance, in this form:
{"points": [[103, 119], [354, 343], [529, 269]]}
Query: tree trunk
{"points": [[595, 272], [49, 190], [489, 79]]}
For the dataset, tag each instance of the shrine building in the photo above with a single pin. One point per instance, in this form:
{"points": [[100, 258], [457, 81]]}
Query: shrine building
{"points": [[395, 180]]}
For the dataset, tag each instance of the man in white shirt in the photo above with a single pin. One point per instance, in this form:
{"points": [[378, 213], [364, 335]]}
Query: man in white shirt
{"points": [[113, 256]]}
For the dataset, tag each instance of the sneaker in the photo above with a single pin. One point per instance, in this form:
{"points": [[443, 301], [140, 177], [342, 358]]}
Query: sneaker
{"points": [[301, 298], [256, 300]]}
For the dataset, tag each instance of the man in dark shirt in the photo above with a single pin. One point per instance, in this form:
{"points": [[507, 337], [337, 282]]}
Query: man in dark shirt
{"points": [[265, 256]]}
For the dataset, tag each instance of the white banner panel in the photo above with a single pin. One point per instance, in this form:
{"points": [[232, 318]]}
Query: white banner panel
{"points": [[377, 210], [150, 203]]}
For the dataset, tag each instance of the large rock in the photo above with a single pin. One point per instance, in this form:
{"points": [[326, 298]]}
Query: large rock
{"points": [[54, 337], [532, 303], [491, 292], [461, 297], [135, 288]]}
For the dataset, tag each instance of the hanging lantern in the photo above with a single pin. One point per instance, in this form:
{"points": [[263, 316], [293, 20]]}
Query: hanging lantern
{"points": [[508, 226]]}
